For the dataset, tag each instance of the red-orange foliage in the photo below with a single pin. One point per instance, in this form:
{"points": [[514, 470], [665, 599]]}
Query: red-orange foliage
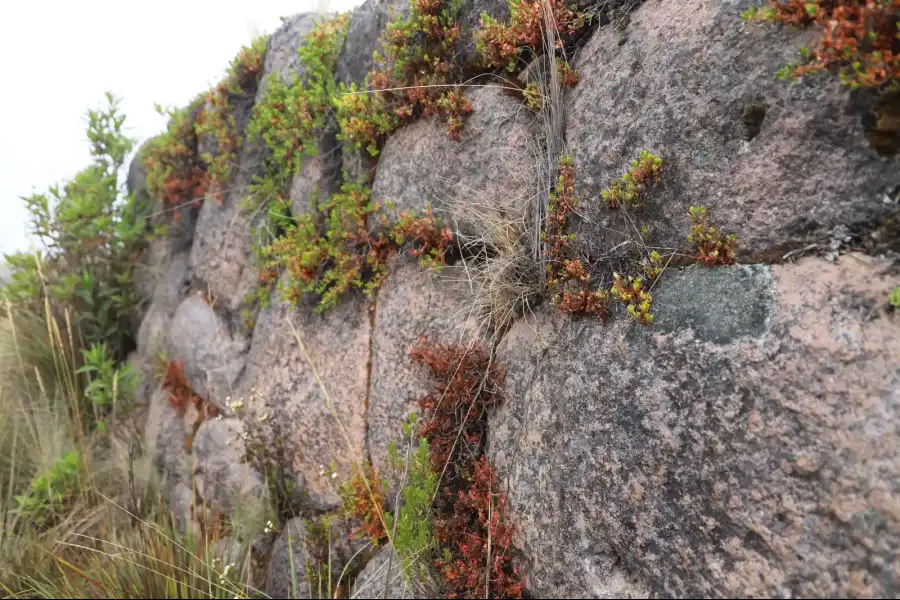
{"points": [[500, 44], [175, 173], [366, 505], [859, 37], [471, 524], [181, 394], [481, 536], [469, 383], [566, 275]]}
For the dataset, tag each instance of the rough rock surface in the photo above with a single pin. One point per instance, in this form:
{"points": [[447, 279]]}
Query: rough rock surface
{"points": [[366, 26], [279, 382], [291, 544], [746, 445], [281, 54], [165, 432], [319, 176], [213, 357], [312, 546], [432, 304], [222, 477], [683, 85], [222, 252], [385, 568], [490, 170]]}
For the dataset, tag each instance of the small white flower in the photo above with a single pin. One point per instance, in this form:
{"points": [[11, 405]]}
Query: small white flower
{"points": [[333, 475]]}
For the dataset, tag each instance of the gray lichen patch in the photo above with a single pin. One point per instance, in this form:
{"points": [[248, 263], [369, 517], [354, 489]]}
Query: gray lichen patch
{"points": [[720, 305]]}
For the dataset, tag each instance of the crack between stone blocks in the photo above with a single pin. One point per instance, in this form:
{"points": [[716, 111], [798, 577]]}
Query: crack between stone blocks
{"points": [[372, 310]]}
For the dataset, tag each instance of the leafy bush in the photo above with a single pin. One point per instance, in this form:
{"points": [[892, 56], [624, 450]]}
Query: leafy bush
{"points": [[176, 174], [630, 189], [363, 499], [110, 385], [469, 508], [343, 254], [510, 45], [217, 119], [713, 247], [51, 491], [92, 235], [411, 533], [290, 117], [415, 78]]}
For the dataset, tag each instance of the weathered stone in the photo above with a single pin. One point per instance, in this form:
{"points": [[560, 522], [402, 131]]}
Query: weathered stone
{"points": [[367, 23], [383, 573], [286, 576], [745, 445], [469, 19], [324, 415], [313, 548], [774, 163], [318, 179], [282, 58], [156, 263], [222, 477], [213, 357], [319, 176], [411, 302], [490, 171], [222, 253], [182, 505], [165, 435]]}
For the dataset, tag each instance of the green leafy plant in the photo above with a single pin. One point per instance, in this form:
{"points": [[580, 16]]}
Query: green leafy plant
{"points": [[92, 235], [415, 78], [109, 385], [291, 116], [638, 301], [343, 254], [631, 188], [51, 491], [566, 276], [713, 247], [894, 298], [411, 531]]}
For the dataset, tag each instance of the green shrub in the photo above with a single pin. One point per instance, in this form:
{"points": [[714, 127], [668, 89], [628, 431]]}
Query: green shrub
{"points": [[291, 116], [176, 175], [894, 298], [217, 119], [415, 78], [50, 491], [411, 531], [109, 385], [92, 235]]}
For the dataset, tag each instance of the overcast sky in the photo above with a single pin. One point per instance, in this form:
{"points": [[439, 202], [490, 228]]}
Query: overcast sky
{"points": [[59, 57]]}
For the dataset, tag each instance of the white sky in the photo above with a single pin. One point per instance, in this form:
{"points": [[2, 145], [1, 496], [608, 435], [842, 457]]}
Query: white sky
{"points": [[59, 57]]}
